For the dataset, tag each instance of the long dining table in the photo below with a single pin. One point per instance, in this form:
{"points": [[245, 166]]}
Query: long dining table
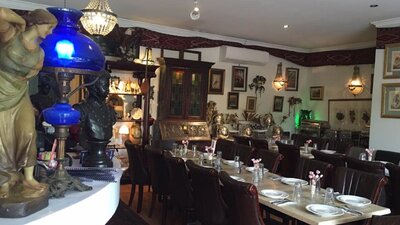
{"points": [[296, 210]]}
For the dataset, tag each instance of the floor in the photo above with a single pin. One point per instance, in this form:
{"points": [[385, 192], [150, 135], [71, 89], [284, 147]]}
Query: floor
{"points": [[173, 217]]}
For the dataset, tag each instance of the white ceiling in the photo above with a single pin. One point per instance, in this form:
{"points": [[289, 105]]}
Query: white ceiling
{"points": [[313, 24]]}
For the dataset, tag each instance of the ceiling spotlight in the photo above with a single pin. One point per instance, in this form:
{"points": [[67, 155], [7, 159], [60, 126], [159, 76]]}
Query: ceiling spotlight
{"points": [[195, 13], [285, 26]]}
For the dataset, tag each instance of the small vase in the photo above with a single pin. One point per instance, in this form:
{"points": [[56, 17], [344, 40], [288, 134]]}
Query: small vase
{"points": [[315, 187], [369, 157], [306, 147]]}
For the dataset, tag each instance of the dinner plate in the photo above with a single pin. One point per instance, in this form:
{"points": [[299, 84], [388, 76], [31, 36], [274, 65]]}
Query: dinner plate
{"points": [[328, 151], [251, 169], [230, 162], [354, 201], [271, 193], [238, 178], [293, 181], [324, 210]]}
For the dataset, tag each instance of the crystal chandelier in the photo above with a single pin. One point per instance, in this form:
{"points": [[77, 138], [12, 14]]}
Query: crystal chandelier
{"points": [[279, 81], [356, 85], [98, 19]]}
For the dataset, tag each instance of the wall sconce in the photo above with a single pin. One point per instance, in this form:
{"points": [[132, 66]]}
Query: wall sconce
{"points": [[279, 80], [356, 85]]}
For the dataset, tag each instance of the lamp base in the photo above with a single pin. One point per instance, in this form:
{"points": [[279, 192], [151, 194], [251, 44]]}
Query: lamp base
{"points": [[97, 156], [61, 181]]}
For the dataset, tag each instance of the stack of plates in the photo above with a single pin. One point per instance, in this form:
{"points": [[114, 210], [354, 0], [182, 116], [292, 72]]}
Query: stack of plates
{"points": [[271, 193], [324, 210], [293, 181], [353, 201]]}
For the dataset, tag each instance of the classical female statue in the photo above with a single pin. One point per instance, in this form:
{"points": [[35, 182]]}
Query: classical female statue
{"points": [[21, 59]]}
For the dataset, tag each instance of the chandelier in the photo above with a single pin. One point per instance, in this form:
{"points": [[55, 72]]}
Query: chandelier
{"points": [[98, 19], [279, 81], [356, 85]]}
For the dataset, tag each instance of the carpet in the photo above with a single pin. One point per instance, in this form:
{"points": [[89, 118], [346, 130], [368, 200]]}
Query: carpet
{"points": [[125, 216]]}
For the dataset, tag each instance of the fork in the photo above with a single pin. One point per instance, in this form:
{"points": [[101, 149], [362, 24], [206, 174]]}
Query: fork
{"points": [[280, 201], [351, 211]]}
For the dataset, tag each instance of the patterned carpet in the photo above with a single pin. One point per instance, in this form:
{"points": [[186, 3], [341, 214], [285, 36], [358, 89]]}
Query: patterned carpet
{"points": [[125, 216]]}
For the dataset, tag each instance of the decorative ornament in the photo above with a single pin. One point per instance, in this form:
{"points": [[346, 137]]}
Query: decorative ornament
{"points": [[258, 84]]}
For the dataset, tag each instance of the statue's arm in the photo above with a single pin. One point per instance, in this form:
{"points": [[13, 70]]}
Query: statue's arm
{"points": [[10, 24]]}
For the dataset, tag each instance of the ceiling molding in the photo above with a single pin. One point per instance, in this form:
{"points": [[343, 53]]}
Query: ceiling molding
{"points": [[394, 22]]}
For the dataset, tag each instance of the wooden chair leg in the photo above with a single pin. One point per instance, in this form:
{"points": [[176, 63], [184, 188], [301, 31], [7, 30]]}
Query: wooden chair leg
{"points": [[132, 194], [164, 210], [153, 200], [140, 199]]}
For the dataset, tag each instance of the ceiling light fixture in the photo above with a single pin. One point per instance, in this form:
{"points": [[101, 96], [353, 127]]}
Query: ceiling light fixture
{"points": [[279, 80], [373, 5], [356, 85], [98, 19], [195, 13], [285, 26]]}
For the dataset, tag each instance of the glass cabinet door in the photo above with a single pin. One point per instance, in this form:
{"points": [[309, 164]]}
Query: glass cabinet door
{"points": [[195, 95], [177, 100]]}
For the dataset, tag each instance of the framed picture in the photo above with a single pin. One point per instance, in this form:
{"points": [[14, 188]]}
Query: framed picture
{"points": [[278, 104], [216, 81], [251, 104], [239, 78], [349, 114], [233, 100], [292, 77], [317, 93], [392, 61], [390, 100]]}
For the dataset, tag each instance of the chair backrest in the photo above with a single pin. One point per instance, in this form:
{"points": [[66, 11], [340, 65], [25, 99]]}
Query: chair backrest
{"points": [[208, 202], [299, 139], [242, 201], [291, 155], [159, 175], [227, 148], [388, 156], [138, 168], [336, 159], [321, 142], [259, 143], [181, 190], [339, 145], [305, 165], [394, 187], [242, 140], [354, 151], [366, 166], [246, 153], [270, 159], [386, 220], [349, 181]]}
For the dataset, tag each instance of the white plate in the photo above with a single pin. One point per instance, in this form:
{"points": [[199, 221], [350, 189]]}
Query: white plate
{"points": [[230, 162], [328, 151], [324, 210], [238, 178], [271, 193], [251, 169], [293, 181], [354, 201]]}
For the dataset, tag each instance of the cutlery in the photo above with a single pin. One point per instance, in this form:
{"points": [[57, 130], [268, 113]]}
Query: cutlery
{"points": [[280, 201], [351, 211]]}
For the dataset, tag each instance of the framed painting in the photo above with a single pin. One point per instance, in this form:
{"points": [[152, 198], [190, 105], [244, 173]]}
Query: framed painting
{"points": [[251, 104], [233, 100], [392, 61], [349, 114], [239, 78], [292, 77], [278, 104], [216, 81], [317, 93], [390, 107]]}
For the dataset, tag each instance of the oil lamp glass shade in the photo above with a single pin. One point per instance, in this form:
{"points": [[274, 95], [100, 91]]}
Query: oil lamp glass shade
{"points": [[356, 85], [98, 19], [279, 80], [61, 114], [67, 48]]}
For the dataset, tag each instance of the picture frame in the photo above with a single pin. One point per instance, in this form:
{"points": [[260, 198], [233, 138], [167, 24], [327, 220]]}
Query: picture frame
{"points": [[239, 78], [278, 104], [216, 81], [251, 104], [391, 61], [390, 104], [317, 93], [233, 100], [349, 114], [292, 77]]}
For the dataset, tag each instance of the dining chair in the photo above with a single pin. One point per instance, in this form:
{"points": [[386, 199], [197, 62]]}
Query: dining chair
{"points": [[299, 139], [386, 220], [246, 153], [270, 159], [208, 201], [388, 156], [336, 159], [355, 151], [159, 178], [242, 201], [305, 165], [227, 148], [259, 143], [339, 145], [180, 187], [367, 166], [291, 155], [244, 140], [138, 172], [394, 187]]}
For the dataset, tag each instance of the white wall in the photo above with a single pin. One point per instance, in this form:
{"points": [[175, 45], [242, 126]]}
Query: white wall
{"points": [[384, 131]]}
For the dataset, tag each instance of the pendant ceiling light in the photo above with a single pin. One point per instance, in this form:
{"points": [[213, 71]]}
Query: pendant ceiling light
{"points": [[356, 85], [279, 80], [195, 13], [98, 19]]}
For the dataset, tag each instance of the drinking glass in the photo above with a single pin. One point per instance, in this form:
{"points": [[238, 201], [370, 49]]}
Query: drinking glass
{"points": [[315, 146], [174, 148], [237, 164], [194, 148], [218, 161], [201, 159], [261, 170], [362, 156], [297, 190], [290, 142], [329, 198]]}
